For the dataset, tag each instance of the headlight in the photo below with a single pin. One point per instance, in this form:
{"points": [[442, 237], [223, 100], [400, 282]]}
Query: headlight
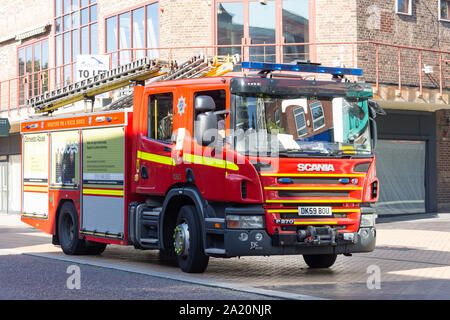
{"points": [[245, 222], [368, 220]]}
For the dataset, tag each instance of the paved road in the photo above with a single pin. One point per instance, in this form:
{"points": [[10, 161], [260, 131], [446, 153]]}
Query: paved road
{"points": [[413, 258]]}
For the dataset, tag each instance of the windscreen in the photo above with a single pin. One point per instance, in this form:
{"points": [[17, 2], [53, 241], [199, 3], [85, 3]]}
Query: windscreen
{"points": [[266, 124]]}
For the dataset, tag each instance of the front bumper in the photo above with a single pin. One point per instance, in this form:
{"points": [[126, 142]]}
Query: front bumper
{"points": [[245, 243]]}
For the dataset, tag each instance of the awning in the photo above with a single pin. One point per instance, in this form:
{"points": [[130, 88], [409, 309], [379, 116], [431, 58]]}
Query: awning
{"points": [[413, 106], [33, 32]]}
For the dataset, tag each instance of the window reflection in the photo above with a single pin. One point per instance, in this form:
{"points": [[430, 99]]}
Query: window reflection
{"points": [[262, 31], [230, 27], [295, 29], [131, 30]]}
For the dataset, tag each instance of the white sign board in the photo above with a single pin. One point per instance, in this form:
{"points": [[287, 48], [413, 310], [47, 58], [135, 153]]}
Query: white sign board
{"points": [[91, 65]]}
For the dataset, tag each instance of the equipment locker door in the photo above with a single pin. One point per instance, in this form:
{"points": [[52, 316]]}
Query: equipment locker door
{"points": [[103, 166], [35, 175]]}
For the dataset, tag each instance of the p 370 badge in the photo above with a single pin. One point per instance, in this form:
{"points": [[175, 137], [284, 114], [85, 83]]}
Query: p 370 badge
{"points": [[284, 221]]}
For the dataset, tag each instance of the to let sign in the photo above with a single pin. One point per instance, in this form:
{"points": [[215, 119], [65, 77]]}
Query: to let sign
{"points": [[4, 127], [91, 65]]}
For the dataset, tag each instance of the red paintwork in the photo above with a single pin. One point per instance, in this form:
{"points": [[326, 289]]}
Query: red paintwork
{"points": [[215, 184]]}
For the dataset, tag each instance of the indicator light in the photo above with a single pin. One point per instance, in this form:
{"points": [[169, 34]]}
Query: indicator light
{"points": [[344, 181]]}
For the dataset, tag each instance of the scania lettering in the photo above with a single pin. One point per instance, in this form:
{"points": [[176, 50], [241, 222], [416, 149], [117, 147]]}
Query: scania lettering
{"points": [[315, 167], [197, 163]]}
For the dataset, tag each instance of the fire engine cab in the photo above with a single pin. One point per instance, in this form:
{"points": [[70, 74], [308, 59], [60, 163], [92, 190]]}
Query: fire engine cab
{"points": [[207, 165]]}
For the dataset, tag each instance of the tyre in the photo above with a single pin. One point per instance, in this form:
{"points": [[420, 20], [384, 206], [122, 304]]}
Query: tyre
{"points": [[168, 257], [188, 242], [68, 231], [320, 260], [95, 248]]}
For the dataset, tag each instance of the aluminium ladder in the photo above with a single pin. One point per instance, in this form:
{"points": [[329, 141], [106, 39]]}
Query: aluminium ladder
{"points": [[137, 71]]}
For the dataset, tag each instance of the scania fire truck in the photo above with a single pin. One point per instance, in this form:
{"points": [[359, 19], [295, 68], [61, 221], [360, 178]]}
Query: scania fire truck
{"points": [[198, 163]]}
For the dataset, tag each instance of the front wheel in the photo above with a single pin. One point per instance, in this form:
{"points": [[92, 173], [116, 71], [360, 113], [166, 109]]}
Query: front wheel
{"points": [[320, 260], [188, 242]]}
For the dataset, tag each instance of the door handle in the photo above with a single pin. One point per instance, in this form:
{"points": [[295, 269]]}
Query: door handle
{"points": [[144, 172]]}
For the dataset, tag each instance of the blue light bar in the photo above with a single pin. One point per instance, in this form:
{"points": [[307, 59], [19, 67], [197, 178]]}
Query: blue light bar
{"points": [[310, 68]]}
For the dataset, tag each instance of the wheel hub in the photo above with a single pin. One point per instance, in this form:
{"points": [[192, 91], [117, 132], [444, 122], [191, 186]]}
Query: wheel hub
{"points": [[181, 240]]}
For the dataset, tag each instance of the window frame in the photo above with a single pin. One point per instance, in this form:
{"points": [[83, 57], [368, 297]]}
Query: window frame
{"points": [[150, 124], [279, 37], [26, 75], [117, 15], [60, 75], [439, 11], [409, 13]]}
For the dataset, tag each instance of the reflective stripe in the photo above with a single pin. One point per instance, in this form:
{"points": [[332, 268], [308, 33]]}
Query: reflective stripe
{"points": [[314, 222], [35, 189], [211, 162], [101, 192], [296, 211], [155, 158], [190, 158]]}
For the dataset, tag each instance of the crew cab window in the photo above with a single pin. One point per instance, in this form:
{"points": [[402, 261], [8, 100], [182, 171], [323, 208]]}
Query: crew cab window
{"points": [[160, 117]]}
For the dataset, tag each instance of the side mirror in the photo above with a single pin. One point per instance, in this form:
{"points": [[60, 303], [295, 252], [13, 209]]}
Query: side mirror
{"points": [[204, 104], [206, 131], [375, 108]]}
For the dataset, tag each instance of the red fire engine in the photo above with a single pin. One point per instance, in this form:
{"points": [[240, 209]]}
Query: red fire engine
{"points": [[201, 166]]}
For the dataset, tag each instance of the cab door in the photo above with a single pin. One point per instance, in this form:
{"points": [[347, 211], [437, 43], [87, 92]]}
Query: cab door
{"points": [[154, 158]]}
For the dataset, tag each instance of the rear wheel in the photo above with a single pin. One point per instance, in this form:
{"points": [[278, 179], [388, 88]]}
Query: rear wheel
{"points": [[320, 260], [188, 242], [68, 231]]}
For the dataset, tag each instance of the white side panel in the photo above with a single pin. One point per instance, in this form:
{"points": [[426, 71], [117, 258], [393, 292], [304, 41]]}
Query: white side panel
{"points": [[35, 204]]}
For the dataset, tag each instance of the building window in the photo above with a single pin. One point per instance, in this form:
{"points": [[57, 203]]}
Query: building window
{"points": [[317, 115], [403, 7], [33, 70], [444, 9], [300, 122], [136, 29], [76, 31], [263, 24]]}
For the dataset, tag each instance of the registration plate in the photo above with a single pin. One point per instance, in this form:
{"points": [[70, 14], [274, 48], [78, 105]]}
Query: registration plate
{"points": [[315, 211]]}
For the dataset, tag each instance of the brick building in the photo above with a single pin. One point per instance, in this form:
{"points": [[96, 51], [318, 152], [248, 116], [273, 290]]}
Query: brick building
{"points": [[402, 45]]}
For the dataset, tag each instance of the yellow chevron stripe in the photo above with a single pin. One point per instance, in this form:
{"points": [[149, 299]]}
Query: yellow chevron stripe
{"points": [[34, 189], [314, 222], [155, 158], [103, 192], [211, 162]]}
